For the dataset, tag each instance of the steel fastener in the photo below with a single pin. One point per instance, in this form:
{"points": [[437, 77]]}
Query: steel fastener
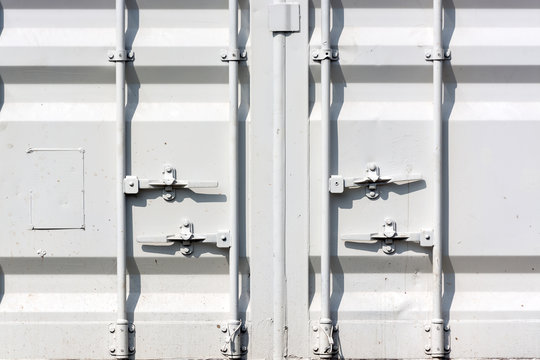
{"points": [[427, 328]]}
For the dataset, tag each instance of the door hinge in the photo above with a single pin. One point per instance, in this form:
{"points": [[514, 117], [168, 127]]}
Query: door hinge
{"points": [[438, 339], [233, 332], [389, 235], [284, 17], [168, 182], [119, 334], [186, 237], [325, 338], [371, 181]]}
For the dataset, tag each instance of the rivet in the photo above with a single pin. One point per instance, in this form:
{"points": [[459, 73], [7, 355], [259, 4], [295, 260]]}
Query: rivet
{"points": [[223, 238], [244, 348], [372, 166], [315, 348], [446, 328], [111, 56], [428, 55], [112, 349], [447, 347], [131, 348], [427, 347], [388, 221], [168, 169], [427, 328], [427, 237], [315, 328], [186, 222], [372, 193], [131, 328], [131, 183]]}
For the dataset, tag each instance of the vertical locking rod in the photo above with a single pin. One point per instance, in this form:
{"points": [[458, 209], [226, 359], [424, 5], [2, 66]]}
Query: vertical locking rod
{"points": [[278, 185], [122, 345], [437, 337], [235, 344]]}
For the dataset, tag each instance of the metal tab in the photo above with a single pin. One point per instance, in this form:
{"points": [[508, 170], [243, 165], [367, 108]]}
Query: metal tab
{"points": [[323, 54], [284, 17], [437, 54], [233, 55], [123, 55]]}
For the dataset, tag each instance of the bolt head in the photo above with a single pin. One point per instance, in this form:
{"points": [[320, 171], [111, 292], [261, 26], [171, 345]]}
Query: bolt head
{"points": [[315, 328], [447, 54], [372, 194], [131, 328], [427, 347], [112, 329], [185, 222], [131, 183], [336, 327], [168, 169], [427, 237], [428, 54], [315, 348], [223, 328], [372, 166], [112, 349], [388, 221], [111, 56], [447, 347], [427, 328], [168, 196], [446, 328], [244, 348], [132, 349]]}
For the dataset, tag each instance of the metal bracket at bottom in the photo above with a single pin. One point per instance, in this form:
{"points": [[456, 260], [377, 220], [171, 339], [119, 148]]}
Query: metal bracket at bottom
{"points": [[118, 346], [324, 333], [438, 339], [232, 345]]}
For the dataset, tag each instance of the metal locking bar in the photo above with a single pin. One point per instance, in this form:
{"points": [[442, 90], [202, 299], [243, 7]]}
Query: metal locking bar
{"points": [[370, 181], [187, 237], [389, 234], [168, 181]]}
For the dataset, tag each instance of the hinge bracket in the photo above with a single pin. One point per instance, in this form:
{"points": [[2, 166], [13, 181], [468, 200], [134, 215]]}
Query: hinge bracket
{"points": [[233, 55], [438, 339], [186, 237], [439, 54], [118, 347], [122, 55], [233, 332], [284, 17], [325, 338]]}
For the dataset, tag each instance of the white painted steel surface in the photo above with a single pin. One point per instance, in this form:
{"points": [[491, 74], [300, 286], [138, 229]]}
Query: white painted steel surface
{"points": [[57, 91]]}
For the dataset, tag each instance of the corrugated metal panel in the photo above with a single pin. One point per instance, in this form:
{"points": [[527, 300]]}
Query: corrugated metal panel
{"points": [[57, 287]]}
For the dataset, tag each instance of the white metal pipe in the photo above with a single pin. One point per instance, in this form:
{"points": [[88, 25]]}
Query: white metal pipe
{"points": [[325, 163], [437, 348], [121, 313], [279, 193], [233, 161]]}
